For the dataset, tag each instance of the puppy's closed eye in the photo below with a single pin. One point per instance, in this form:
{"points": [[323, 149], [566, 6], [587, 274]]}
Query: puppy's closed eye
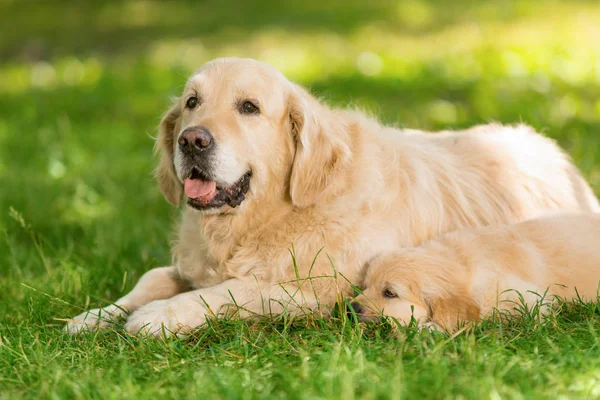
{"points": [[387, 293]]}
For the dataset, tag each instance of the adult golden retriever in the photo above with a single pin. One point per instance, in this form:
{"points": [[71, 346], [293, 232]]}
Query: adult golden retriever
{"points": [[465, 275], [266, 168]]}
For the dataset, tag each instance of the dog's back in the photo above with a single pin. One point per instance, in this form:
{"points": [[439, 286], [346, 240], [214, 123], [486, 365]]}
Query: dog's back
{"points": [[530, 167], [490, 174]]}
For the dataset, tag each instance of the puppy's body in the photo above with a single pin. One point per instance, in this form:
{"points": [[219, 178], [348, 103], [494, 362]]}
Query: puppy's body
{"points": [[320, 178], [465, 275]]}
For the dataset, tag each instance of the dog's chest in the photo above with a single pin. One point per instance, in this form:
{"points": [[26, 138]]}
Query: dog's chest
{"points": [[200, 271], [200, 258]]}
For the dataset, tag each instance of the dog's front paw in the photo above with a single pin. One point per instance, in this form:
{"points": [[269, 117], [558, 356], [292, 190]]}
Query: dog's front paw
{"points": [[92, 320], [165, 318]]}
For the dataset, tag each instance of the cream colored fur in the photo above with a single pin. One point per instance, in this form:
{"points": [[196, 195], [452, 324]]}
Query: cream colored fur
{"points": [[331, 179], [465, 275]]}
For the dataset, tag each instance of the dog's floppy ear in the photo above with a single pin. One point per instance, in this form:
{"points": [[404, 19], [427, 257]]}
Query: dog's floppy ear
{"points": [[170, 186], [452, 311], [321, 148]]}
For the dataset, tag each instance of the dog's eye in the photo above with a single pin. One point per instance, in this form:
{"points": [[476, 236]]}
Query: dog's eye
{"points": [[248, 107], [191, 103], [389, 294]]}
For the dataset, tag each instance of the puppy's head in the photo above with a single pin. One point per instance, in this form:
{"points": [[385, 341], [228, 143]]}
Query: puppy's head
{"points": [[415, 283], [239, 131], [391, 288]]}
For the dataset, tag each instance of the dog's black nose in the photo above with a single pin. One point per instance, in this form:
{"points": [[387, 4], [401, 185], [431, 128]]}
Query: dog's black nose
{"points": [[195, 139], [356, 307]]}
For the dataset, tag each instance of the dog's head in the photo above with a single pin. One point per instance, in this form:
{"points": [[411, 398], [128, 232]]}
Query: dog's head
{"points": [[241, 130]]}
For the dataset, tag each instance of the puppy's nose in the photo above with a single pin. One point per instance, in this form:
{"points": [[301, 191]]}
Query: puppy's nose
{"points": [[356, 307], [195, 139]]}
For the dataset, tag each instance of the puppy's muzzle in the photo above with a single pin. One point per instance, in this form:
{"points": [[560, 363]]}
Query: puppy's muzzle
{"points": [[354, 307], [195, 141]]}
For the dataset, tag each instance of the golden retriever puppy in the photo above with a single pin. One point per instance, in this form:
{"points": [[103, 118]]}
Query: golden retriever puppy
{"points": [[464, 275], [265, 166]]}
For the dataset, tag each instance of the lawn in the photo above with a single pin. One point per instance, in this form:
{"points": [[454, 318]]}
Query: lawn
{"points": [[82, 88]]}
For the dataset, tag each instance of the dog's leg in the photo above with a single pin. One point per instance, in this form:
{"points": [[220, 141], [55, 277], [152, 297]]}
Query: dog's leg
{"points": [[235, 297], [156, 284]]}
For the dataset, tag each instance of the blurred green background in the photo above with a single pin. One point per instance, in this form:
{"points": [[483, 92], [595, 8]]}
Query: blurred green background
{"points": [[83, 85]]}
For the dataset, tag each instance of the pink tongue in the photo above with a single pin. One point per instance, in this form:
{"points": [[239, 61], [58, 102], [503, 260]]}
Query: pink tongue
{"points": [[199, 189]]}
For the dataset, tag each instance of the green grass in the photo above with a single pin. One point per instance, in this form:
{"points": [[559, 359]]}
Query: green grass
{"points": [[82, 87]]}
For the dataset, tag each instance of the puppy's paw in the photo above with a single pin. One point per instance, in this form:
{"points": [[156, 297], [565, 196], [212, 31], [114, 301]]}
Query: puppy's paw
{"points": [[166, 318], [95, 319], [430, 326]]}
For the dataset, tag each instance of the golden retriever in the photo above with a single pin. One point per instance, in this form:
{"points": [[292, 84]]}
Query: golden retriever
{"points": [[465, 275], [267, 169]]}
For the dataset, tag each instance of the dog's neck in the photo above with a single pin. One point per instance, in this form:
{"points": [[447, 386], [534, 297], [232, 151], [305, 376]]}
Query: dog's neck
{"points": [[224, 232]]}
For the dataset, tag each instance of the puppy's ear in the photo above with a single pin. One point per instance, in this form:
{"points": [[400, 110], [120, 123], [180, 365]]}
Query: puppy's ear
{"points": [[322, 151], [170, 186], [452, 311]]}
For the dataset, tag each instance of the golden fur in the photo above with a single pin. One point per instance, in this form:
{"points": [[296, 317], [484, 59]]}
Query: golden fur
{"points": [[465, 275], [323, 178]]}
